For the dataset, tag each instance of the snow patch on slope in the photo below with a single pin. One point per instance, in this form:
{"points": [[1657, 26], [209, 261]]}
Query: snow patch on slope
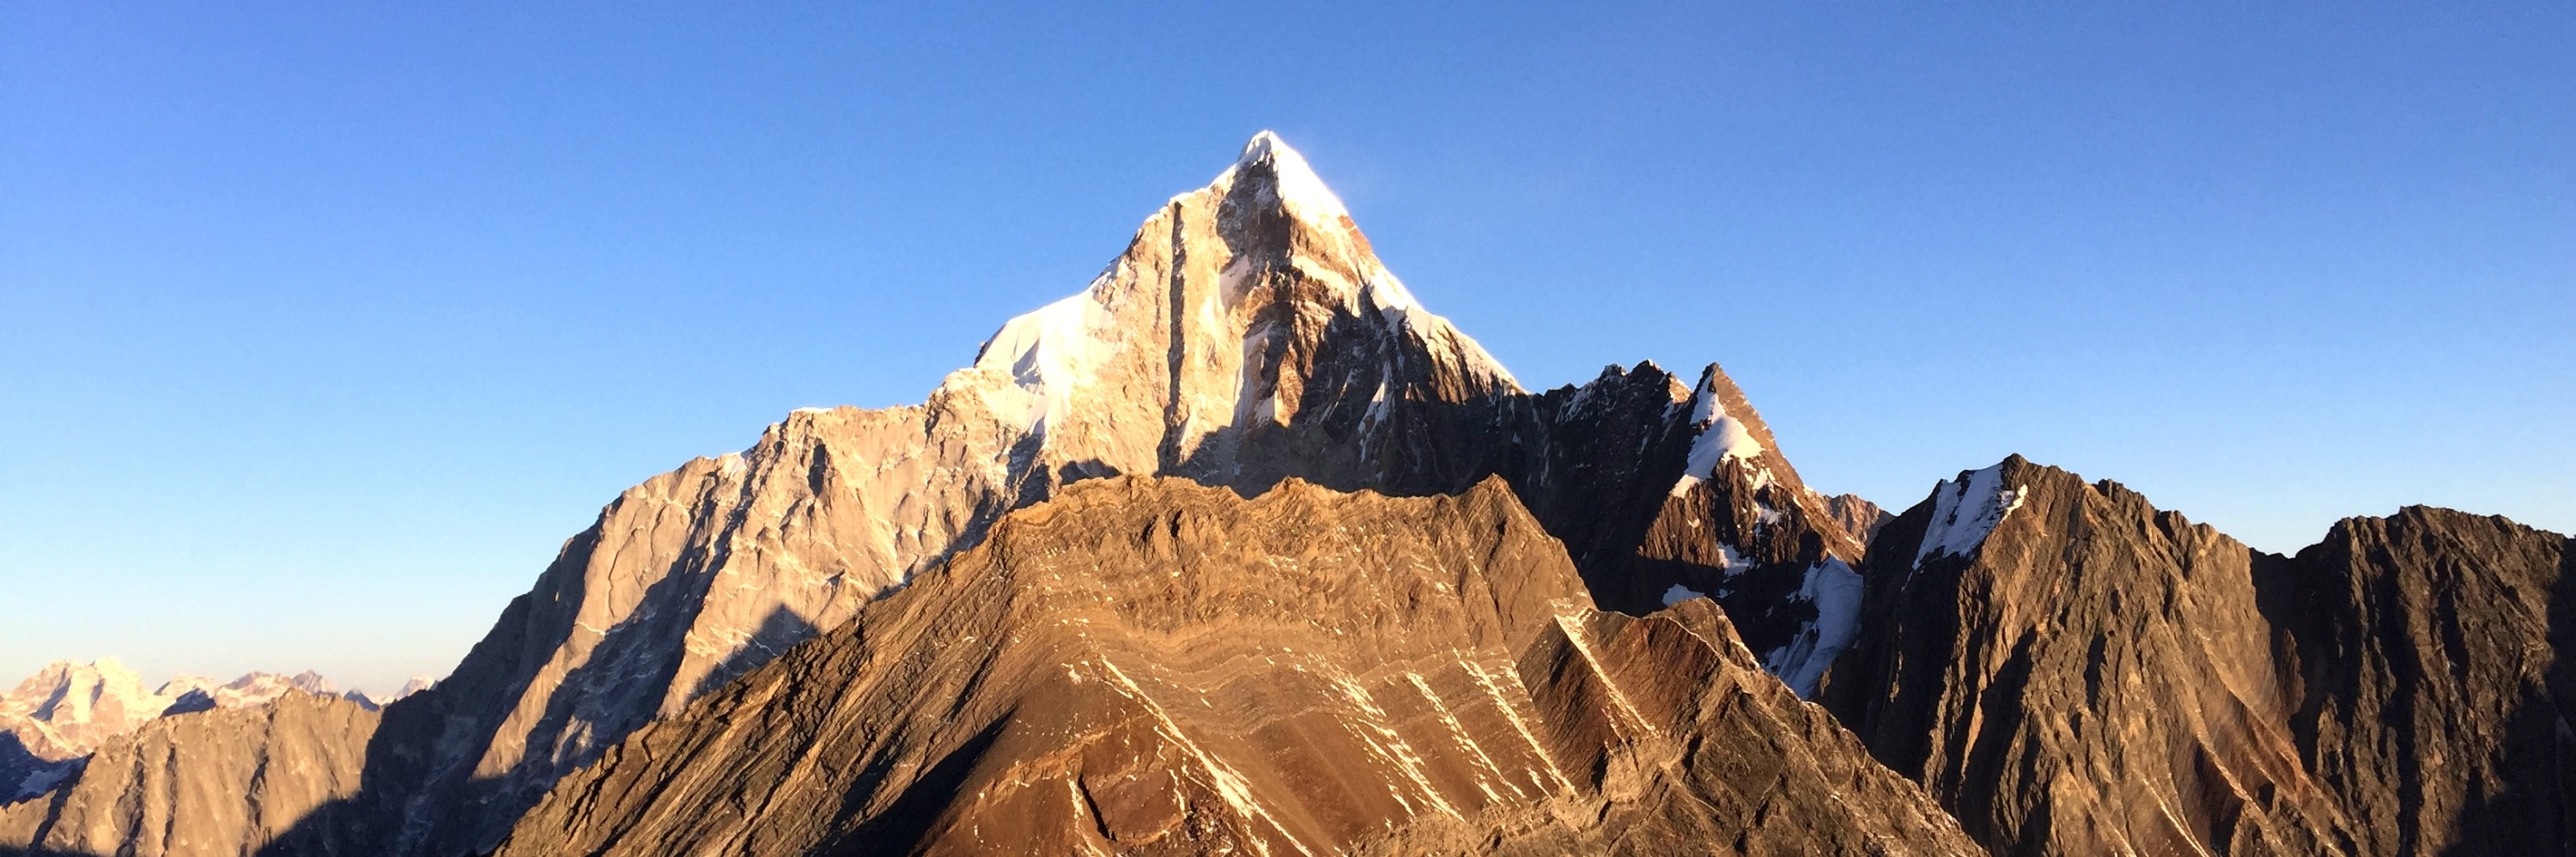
{"points": [[1965, 511], [1721, 437], [41, 780], [1835, 589], [1387, 294], [1735, 562], [1048, 354]]}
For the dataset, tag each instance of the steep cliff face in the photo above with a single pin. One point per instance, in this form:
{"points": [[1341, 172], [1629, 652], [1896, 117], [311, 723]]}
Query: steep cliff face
{"points": [[2421, 653], [1665, 492], [2072, 671], [1151, 666], [1247, 335], [219, 782]]}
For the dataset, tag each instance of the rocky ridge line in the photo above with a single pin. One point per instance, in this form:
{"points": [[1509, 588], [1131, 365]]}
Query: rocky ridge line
{"points": [[2072, 671], [1155, 667]]}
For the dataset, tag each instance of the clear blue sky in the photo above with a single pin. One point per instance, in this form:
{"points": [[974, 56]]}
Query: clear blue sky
{"points": [[322, 325]]}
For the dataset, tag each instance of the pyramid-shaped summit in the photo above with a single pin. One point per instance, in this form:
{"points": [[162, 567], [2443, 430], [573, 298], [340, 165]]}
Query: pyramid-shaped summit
{"points": [[1294, 182], [1243, 316]]}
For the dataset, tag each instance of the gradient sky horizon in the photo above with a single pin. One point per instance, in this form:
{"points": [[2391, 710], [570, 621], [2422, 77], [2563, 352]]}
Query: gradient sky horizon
{"points": [[321, 328]]}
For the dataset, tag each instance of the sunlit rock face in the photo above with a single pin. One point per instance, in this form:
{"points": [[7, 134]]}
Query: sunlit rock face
{"points": [[225, 781], [1155, 667]]}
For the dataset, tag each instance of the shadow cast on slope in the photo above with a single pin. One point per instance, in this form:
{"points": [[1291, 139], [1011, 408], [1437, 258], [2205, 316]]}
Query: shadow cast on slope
{"points": [[781, 630], [915, 814]]}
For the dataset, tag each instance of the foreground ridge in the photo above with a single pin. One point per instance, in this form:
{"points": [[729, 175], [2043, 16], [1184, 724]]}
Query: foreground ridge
{"points": [[1151, 666]]}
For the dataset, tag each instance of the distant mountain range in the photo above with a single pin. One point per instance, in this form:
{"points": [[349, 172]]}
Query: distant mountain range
{"points": [[1241, 549], [51, 722]]}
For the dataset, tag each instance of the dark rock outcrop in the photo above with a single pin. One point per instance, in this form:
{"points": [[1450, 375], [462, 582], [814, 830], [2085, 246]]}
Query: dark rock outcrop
{"points": [[1664, 492], [1154, 667], [2421, 652]]}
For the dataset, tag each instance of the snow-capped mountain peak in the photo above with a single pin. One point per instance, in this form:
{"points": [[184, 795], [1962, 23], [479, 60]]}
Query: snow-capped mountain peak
{"points": [[1294, 181], [1216, 322]]}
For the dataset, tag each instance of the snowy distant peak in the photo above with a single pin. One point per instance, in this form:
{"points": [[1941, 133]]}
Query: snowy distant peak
{"points": [[261, 688], [102, 695], [313, 682], [68, 708], [417, 684], [1967, 509], [1297, 185], [71, 707]]}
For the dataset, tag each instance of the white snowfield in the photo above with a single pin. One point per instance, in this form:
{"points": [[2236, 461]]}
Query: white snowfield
{"points": [[1048, 354], [1965, 511]]}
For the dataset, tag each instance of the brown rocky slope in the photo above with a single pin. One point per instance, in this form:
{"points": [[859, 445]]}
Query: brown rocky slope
{"points": [[225, 781], [2072, 671], [1153, 667]]}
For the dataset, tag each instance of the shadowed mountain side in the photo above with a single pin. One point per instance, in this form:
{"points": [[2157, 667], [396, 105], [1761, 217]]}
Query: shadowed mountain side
{"points": [[2432, 702], [23, 773], [2072, 671], [1151, 666], [1858, 516]]}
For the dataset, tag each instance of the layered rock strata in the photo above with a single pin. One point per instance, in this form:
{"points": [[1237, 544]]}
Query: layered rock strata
{"points": [[1154, 667]]}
